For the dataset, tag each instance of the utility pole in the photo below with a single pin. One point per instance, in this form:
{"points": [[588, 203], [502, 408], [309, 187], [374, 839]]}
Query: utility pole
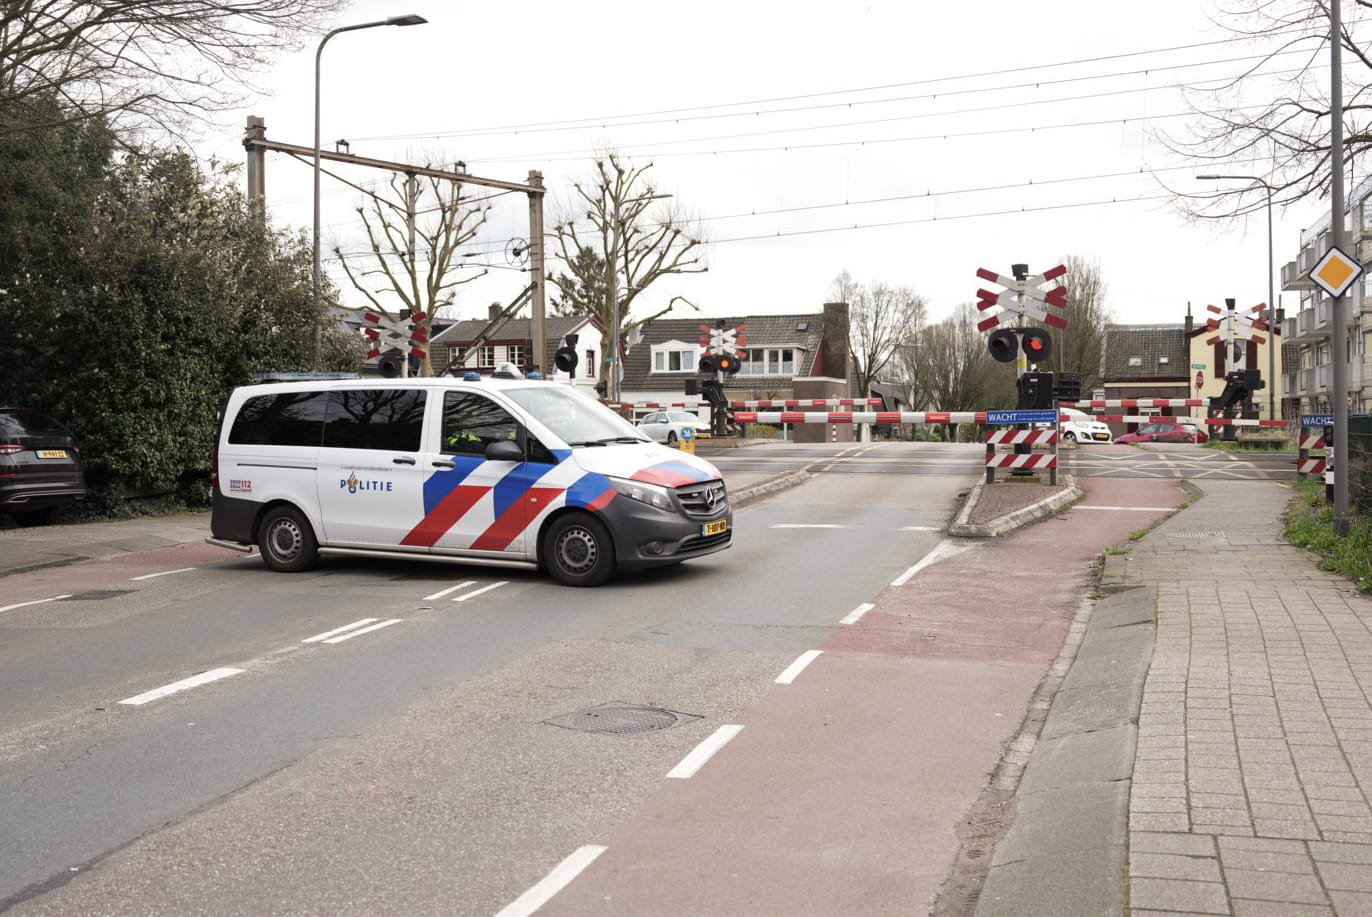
{"points": [[1338, 308], [539, 279]]}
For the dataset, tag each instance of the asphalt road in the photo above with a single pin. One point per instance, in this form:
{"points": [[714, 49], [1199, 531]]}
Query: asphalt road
{"points": [[1164, 461], [406, 766]]}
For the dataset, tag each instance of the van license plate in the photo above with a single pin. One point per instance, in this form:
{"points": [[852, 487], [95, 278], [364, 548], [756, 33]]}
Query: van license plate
{"points": [[52, 453], [714, 528]]}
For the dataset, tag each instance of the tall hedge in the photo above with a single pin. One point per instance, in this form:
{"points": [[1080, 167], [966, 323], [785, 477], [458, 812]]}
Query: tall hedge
{"points": [[136, 290]]}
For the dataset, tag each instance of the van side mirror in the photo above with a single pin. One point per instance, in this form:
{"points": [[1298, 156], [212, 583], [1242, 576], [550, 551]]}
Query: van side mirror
{"points": [[504, 450]]}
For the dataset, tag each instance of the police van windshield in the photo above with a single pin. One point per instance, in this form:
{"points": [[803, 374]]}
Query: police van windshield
{"points": [[575, 418]]}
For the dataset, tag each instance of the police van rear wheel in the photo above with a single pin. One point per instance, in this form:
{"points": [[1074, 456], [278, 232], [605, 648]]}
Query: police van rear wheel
{"points": [[578, 551], [286, 541]]}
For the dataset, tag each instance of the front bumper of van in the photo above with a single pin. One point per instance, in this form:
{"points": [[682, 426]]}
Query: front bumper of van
{"points": [[646, 536]]}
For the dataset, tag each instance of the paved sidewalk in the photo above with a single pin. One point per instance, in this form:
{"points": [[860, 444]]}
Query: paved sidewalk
{"points": [[1253, 770]]}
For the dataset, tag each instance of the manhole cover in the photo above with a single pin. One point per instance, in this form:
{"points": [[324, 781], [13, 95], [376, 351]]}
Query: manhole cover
{"points": [[98, 595], [621, 719]]}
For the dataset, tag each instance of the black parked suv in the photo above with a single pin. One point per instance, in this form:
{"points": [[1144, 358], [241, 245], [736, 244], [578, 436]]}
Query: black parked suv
{"points": [[40, 465]]}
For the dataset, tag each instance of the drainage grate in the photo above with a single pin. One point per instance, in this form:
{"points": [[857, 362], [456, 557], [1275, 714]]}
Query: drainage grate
{"points": [[621, 719], [98, 595], [1195, 534]]}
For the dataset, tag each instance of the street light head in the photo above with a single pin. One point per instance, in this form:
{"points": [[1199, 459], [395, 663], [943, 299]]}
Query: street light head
{"points": [[411, 19]]}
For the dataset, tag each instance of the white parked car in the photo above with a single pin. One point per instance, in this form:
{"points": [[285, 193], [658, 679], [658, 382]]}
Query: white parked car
{"points": [[1083, 428], [666, 426]]}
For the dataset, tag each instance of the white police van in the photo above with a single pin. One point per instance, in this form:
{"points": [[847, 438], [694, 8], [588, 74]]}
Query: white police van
{"points": [[505, 471]]}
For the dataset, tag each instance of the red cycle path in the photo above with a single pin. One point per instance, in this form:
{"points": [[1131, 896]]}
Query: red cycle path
{"points": [[844, 792]]}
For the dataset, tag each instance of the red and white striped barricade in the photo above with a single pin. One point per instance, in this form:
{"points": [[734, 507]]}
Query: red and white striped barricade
{"points": [[1023, 460], [1312, 440]]}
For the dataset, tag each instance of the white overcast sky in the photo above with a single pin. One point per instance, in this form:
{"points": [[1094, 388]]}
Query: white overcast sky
{"points": [[926, 136]]}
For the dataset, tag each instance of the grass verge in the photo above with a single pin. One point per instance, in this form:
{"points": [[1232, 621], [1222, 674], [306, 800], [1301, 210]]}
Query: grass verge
{"points": [[1310, 524]]}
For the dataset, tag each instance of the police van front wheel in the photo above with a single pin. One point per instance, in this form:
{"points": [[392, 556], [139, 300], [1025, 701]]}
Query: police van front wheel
{"points": [[577, 550], [286, 540]]}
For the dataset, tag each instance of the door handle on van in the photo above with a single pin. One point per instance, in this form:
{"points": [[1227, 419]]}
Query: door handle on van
{"points": [[444, 464], [402, 460]]}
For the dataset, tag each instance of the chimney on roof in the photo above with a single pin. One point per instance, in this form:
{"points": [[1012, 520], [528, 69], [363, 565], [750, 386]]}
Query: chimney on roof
{"points": [[495, 310], [836, 347]]}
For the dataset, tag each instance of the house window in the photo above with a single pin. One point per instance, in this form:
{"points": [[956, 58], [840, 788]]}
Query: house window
{"points": [[770, 361], [1136, 361], [486, 356], [515, 354], [457, 355], [674, 361], [1163, 361], [591, 369]]}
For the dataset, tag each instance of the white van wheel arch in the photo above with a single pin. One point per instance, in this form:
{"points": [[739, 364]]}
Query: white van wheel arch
{"points": [[577, 549], [286, 539]]}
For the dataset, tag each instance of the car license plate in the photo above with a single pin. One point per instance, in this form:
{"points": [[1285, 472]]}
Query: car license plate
{"points": [[1103, 437], [52, 453], [714, 528]]}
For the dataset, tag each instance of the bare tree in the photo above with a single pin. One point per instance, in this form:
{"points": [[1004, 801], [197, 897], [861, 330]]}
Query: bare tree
{"points": [[428, 280], [951, 369], [880, 320], [1078, 346], [143, 62], [633, 251], [1272, 118]]}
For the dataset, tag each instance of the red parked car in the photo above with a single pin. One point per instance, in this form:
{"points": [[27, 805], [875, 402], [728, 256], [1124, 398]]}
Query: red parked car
{"points": [[1166, 432]]}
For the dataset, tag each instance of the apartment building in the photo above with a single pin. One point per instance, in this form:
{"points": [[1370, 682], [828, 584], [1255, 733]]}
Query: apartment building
{"points": [[1310, 379]]}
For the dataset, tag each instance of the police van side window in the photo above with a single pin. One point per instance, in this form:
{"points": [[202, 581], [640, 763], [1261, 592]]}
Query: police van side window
{"points": [[388, 419], [286, 419], [472, 422]]}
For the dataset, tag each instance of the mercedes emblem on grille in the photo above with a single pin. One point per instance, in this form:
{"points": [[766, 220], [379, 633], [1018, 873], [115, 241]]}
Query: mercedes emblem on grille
{"points": [[711, 498]]}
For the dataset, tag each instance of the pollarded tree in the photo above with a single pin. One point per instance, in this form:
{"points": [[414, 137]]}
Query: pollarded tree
{"points": [[608, 238], [1077, 348], [428, 279]]}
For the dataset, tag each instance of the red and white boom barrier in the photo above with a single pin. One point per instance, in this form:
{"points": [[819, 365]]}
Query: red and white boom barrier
{"points": [[917, 417], [736, 405], [1209, 421], [1138, 403]]}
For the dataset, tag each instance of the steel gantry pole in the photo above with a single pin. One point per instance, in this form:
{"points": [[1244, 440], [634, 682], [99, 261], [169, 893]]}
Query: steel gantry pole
{"points": [[318, 56]]}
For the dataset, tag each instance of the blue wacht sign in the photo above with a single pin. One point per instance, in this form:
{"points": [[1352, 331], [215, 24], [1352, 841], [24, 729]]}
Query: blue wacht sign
{"points": [[1316, 420], [1000, 417]]}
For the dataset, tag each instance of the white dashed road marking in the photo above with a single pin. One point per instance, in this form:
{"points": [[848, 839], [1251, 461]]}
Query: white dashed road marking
{"points": [[703, 752], [320, 638], [194, 681], [366, 630], [163, 573], [553, 882], [795, 668], [476, 592], [856, 614], [941, 550], [439, 595], [51, 598]]}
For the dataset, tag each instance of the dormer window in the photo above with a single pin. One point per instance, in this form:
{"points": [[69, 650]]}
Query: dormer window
{"points": [[1136, 361], [1162, 361], [674, 357]]}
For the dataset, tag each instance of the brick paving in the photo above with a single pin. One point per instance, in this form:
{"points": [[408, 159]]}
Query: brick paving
{"points": [[1253, 770]]}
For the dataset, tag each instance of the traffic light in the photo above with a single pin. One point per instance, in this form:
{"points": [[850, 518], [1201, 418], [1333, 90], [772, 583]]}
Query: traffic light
{"points": [[707, 363], [1038, 345], [1067, 387], [1003, 344], [1035, 391], [565, 358], [727, 363], [1238, 386]]}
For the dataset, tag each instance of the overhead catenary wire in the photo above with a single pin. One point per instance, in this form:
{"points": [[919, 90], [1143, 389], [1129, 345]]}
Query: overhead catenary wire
{"points": [[603, 120]]}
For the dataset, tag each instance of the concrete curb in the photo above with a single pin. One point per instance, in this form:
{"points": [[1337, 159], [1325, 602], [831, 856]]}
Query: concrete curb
{"points": [[754, 492], [961, 528], [1066, 847]]}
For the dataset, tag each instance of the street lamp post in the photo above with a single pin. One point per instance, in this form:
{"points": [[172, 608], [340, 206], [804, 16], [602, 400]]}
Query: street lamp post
{"points": [[612, 389], [318, 55], [1271, 292]]}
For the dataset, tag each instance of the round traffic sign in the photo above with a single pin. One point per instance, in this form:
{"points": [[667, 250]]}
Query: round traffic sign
{"points": [[688, 433]]}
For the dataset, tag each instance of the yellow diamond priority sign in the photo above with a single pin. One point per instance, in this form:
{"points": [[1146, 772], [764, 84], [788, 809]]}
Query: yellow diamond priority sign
{"points": [[1336, 272]]}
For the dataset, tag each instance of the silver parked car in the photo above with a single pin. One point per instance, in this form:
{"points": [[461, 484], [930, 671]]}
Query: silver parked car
{"points": [[666, 426]]}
